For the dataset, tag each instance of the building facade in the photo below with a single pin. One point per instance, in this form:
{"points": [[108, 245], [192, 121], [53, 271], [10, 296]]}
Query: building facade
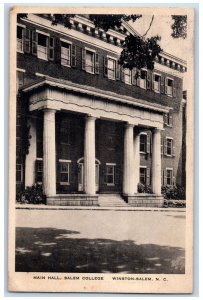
{"points": [[90, 127]]}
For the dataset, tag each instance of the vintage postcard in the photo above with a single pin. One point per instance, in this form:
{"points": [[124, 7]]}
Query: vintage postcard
{"points": [[101, 138]]}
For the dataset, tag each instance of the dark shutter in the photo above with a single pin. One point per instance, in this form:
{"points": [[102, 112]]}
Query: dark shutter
{"points": [[173, 148], [83, 59], [174, 89], [165, 146], [149, 80], [148, 176], [165, 119], [96, 63], [118, 71], [51, 48], [57, 50], [170, 119], [134, 81], [27, 36], [138, 78], [153, 79], [162, 85], [73, 56], [117, 175], [34, 42], [162, 146], [165, 178], [166, 86], [122, 74], [105, 67], [148, 143]]}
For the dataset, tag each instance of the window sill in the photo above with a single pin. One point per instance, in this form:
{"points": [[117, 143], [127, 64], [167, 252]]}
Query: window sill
{"points": [[143, 152], [64, 183], [111, 78], [90, 72], [110, 184], [45, 59], [68, 66], [20, 51]]}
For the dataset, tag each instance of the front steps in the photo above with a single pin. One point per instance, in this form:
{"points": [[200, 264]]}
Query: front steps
{"points": [[111, 200]]}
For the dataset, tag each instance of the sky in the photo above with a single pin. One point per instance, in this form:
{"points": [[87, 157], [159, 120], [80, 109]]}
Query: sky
{"points": [[162, 26]]}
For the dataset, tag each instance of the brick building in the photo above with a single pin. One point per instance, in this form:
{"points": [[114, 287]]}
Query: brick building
{"points": [[94, 127]]}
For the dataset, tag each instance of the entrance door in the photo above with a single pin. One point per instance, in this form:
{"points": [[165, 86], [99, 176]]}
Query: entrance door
{"points": [[81, 175]]}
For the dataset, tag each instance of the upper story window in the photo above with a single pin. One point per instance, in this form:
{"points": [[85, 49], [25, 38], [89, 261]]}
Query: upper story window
{"points": [[20, 34], [111, 68], [42, 46], [156, 84], [65, 54], [143, 79], [90, 61], [168, 119], [169, 87], [144, 175], [128, 76], [20, 76]]}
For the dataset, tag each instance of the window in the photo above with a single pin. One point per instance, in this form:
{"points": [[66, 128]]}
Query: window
{"points": [[156, 83], [168, 119], [169, 86], [110, 174], [128, 76], [65, 54], [169, 176], [143, 175], [143, 79], [111, 68], [143, 143], [19, 173], [169, 146], [64, 172], [42, 46], [20, 32], [39, 170], [90, 61]]}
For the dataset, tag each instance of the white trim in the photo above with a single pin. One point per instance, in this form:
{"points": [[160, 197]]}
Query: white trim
{"points": [[90, 50], [144, 167], [40, 74], [21, 25], [64, 160], [112, 57], [43, 33], [66, 41], [39, 158], [110, 164], [20, 70]]}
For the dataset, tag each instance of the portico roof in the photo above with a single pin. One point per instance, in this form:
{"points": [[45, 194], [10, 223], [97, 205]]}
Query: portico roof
{"points": [[92, 91]]}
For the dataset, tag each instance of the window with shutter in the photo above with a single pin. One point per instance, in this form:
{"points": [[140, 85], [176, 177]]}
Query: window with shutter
{"points": [[169, 86], [110, 173], [128, 76], [168, 119], [169, 147], [118, 71], [65, 54], [64, 172], [51, 48], [143, 143], [111, 65], [169, 176], [90, 62], [143, 79], [156, 83], [143, 175]]}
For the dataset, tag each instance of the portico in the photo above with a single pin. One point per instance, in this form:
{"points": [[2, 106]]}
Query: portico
{"points": [[132, 116]]}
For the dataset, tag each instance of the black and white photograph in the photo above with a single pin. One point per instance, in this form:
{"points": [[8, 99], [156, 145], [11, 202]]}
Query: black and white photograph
{"points": [[101, 149]]}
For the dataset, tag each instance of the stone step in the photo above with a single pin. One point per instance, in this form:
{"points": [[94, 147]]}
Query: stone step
{"points": [[111, 200]]}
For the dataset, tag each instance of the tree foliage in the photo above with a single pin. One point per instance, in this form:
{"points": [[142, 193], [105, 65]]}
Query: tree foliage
{"points": [[179, 27], [138, 52]]}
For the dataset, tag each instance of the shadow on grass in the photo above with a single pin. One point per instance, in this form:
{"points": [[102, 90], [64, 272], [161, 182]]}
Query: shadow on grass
{"points": [[54, 250]]}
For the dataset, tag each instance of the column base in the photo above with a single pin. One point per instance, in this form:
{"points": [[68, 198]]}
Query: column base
{"points": [[73, 200], [145, 200]]}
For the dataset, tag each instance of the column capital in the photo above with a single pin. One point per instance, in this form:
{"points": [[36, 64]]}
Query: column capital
{"points": [[129, 125], [156, 129], [47, 109], [90, 117]]}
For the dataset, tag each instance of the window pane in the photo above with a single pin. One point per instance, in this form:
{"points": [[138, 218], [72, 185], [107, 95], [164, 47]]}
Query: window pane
{"points": [[19, 32], [89, 61], [143, 143], [42, 40], [111, 68], [64, 177]]}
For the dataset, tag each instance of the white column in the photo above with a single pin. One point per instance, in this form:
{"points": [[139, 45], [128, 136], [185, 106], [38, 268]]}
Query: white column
{"points": [[156, 161], [31, 156], [89, 156], [49, 153], [128, 168], [136, 160]]}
